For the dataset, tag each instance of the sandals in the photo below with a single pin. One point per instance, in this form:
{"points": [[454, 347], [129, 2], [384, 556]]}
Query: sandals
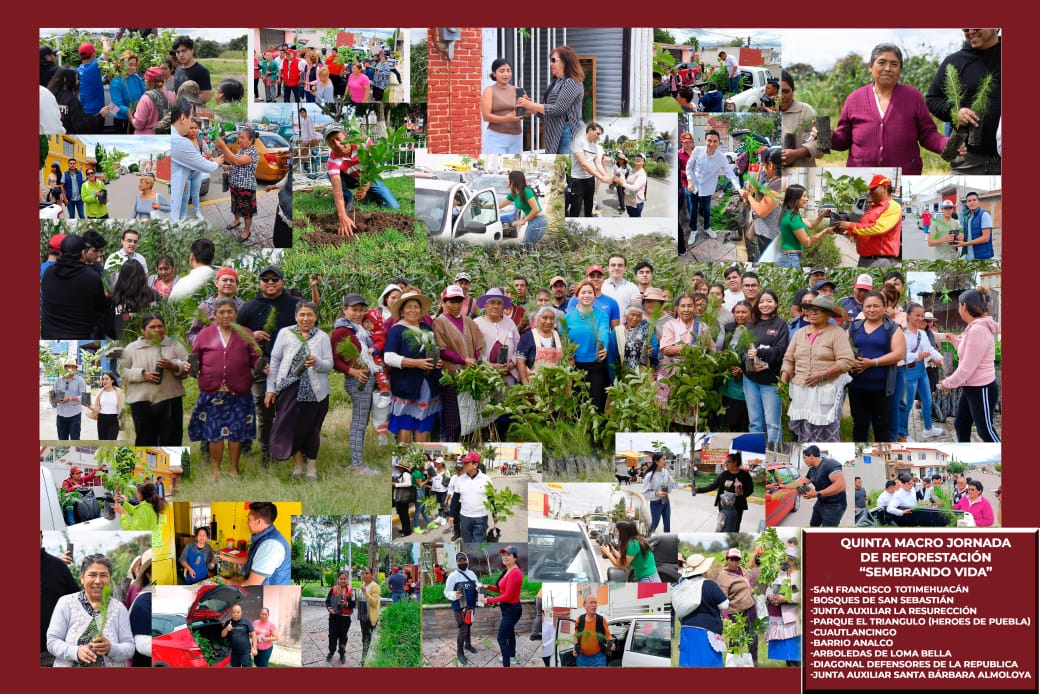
{"points": [[231, 227], [245, 239]]}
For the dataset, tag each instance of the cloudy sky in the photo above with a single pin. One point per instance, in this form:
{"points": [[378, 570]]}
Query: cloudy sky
{"points": [[822, 48], [138, 146], [760, 38]]}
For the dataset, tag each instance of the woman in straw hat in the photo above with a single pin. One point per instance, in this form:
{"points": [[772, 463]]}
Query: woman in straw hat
{"points": [[414, 376], [782, 595], [816, 365], [700, 640]]}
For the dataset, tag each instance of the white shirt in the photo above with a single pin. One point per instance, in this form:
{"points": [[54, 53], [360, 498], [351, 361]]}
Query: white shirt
{"points": [[472, 494], [591, 151], [731, 299], [120, 257], [913, 347], [50, 114], [195, 280], [902, 500], [731, 65], [624, 292], [268, 558], [703, 170], [883, 500]]}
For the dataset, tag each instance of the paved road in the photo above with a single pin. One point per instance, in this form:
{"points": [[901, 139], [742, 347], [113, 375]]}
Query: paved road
{"points": [[122, 194], [440, 652], [314, 638], [659, 201], [513, 530]]}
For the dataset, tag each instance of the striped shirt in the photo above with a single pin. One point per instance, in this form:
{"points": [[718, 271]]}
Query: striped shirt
{"points": [[562, 106]]}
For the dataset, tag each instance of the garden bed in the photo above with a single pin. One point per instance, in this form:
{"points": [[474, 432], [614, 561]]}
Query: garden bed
{"points": [[364, 223]]}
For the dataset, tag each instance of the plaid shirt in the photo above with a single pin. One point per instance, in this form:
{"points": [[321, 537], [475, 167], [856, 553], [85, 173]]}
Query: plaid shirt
{"points": [[244, 177]]}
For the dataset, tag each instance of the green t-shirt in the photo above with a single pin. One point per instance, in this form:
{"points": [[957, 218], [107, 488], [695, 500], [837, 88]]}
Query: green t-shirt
{"points": [[940, 228], [520, 202], [788, 223], [643, 565]]}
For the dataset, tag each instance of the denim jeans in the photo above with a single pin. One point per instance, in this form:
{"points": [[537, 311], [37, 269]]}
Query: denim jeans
{"points": [[763, 406], [535, 229], [503, 143], [636, 211], [895, 420], [419, 511], [474, 529], [377, 192], [565, 141], [77, 207], [734, 85], [917, 385], [69, 428], [704, 208], [789, 260], [194, 188], [827, 515], [598, 660], [660, 511], [507, 630]]}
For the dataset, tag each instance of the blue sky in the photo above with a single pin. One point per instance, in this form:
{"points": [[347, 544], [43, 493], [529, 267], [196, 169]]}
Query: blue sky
{"points": [[760, 38], [822, 48], [138, 146]]}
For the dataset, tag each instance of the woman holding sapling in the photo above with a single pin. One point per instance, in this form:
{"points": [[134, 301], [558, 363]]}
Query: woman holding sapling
{"points": [[154, 367], [227, 355], [414, 359], [145, 515], [89, 628], [794, 234], [298, 386], [353, 353], [886, 123], [761, 364], [588, 328]]}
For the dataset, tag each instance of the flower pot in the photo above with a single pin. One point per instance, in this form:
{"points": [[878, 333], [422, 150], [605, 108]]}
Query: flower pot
{"points": [[974, 136], [823, 133], [70, 516], [108, 511]]}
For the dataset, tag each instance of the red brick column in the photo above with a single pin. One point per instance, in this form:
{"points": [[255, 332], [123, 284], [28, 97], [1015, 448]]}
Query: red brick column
{"points": [[453, 95]]}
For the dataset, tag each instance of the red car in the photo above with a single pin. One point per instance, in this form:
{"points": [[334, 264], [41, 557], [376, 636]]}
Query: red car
{"points": [[782, 501], [176, 638]]}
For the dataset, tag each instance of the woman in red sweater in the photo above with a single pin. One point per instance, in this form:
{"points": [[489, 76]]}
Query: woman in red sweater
{"points": [[224, 410], [508, 599]]}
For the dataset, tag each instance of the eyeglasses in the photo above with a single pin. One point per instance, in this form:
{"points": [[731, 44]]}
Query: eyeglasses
{"points": [[750, 286], [554, 60], [270, 279]]}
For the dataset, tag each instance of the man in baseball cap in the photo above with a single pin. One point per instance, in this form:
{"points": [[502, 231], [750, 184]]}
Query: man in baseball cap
{"points": [[91, 90], [53, 252], [48, 65], [559, 288], [853, 304], [343, 170], [878, 232]]}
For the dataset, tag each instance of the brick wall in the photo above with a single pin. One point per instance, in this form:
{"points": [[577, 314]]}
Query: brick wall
{"points": [[453, 96], [438, 621]]}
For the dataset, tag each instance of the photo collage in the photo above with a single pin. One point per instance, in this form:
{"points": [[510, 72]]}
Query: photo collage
{"points": [[488, 346]]}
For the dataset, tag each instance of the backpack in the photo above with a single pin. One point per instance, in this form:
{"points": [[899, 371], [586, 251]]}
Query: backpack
{"points": [[601, 629], [162, 103]]}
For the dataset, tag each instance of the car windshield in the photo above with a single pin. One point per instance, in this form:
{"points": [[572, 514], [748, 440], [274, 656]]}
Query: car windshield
{"points": [[165, 623], [273, 141], [559, 555], [431, 207]]}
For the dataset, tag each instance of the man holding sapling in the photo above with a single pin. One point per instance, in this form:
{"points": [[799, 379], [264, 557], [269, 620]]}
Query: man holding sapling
{"points": [[344, 170], [270, 311], [978, 58]]}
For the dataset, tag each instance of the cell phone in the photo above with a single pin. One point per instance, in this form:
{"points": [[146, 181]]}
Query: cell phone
{"points": [[520, 110], [68, 549]]}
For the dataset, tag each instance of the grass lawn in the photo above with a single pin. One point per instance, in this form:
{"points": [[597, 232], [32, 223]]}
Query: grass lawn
{"points": [[398, 638], [337, 490]]}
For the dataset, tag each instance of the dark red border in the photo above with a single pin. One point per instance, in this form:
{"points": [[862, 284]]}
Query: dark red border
{"points": [[20, 346]]}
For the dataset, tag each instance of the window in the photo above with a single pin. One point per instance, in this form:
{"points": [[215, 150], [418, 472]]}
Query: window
{"points": [[151, 460], [68, 148], [200, 516], [652, 637]]}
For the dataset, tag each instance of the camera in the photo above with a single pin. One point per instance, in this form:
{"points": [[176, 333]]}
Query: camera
{"points": [[767, 101]]}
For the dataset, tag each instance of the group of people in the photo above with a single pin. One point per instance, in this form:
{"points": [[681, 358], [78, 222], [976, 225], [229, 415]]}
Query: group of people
{"points": [[310, 75], [460, 497], [73, 100], [344, 603], [890, 121], [629, 182], [736, 589], [907, 493]]}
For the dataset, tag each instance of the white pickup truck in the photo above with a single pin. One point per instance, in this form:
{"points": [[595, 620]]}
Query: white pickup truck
{"points": [[53, 518], [452, 211], [754, 79]]}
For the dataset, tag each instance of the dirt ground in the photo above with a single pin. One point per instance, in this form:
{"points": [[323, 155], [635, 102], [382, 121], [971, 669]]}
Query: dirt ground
{"points": [[364, 223]]}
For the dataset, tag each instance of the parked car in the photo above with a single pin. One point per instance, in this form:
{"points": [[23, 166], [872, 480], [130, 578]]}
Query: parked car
{"points": [[51, 211], [560, 551], [273, 152], [753, 81], [639, 641], [180, 645], [664, 151], [453, 211], [781, 502]]}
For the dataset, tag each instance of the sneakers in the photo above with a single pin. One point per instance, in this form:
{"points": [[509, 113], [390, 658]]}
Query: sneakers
{"points": [[328, 658], [934, 432], [462, 659], [711, 233], [470, 648], [342, 658]]}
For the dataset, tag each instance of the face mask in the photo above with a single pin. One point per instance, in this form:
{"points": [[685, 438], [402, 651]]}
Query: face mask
{"points": [[462, 566]]}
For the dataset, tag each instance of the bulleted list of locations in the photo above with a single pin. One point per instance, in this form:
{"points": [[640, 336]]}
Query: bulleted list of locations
{"points": [[923, 610]]}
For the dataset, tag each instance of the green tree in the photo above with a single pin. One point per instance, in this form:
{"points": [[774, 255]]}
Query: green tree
{"points": [[953, 466], [205, 48], [239, 43], [418, 67], [45, 149], [694, 42], [800, 72], [663, 36]]}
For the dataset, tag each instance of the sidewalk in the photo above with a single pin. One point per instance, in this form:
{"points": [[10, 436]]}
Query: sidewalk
{"points": [[217, 212], [314, 637]]}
